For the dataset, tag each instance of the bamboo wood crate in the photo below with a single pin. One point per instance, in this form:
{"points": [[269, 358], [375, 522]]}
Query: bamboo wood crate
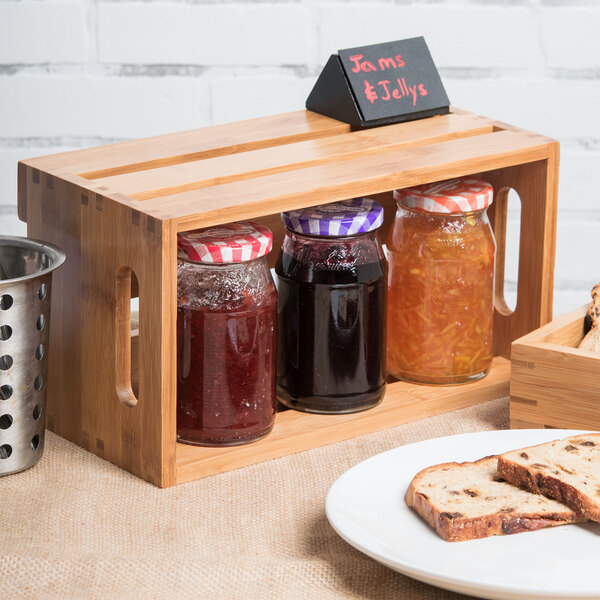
{"points": [[116, 211], [554, 384]]}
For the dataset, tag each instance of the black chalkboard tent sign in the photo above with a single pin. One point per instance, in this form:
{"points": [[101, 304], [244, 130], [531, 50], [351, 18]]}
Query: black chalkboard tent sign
{"points": [[380, 84]]}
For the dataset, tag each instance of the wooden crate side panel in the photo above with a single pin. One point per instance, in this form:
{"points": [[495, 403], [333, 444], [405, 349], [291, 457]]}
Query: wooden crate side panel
{"points": [[100, 237], [536, 184], [51, 207], [554, 389], [114, 239]]}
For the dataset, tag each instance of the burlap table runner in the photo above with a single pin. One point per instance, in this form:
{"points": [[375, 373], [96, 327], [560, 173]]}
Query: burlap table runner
{"points": [[75, 526]]}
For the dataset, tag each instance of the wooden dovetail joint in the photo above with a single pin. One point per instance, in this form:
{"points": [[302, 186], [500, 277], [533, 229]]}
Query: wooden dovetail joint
{"points": [[523, 363]]}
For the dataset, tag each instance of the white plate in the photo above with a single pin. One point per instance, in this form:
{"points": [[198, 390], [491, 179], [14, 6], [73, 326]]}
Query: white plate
{"points": [[366, 507]]}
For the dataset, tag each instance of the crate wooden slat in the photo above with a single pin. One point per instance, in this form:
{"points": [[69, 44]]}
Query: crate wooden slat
{"points": [[164, 181], [370, 174], [116, 210], [197, 144]]}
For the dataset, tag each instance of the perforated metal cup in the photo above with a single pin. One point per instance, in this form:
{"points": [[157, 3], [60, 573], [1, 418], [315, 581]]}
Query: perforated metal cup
{"points": [[26, 268]]}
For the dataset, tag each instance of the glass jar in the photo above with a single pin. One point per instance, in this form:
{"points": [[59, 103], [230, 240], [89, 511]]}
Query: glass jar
{"points": [[226, 335], [331, 281], [441, 253]]}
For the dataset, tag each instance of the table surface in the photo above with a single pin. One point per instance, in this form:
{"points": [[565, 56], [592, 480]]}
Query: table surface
{"points": [[75, 526]]}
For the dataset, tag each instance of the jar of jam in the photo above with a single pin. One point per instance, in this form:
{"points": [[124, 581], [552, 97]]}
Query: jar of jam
{"points": [[226, 335], [441, 253], [331, 283]]}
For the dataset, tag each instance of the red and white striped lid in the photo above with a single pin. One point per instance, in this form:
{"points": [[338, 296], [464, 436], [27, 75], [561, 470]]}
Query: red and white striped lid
{"points": [[229, 243], [451, 196]]}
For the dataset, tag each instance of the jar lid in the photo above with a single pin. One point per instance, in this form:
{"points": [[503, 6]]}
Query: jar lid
{"points": [[451, 196], [347, 217], [229, 243]]}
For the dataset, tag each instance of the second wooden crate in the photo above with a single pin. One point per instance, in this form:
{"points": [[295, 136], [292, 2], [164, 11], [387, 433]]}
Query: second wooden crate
{"points": [[554, 384]]}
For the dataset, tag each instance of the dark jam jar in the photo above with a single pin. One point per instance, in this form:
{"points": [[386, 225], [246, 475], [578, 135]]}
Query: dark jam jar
{"points": [[331, 281], [226, 335]]}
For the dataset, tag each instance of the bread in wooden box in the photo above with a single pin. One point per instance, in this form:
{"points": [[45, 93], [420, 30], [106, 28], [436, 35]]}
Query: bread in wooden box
{"points": [[591, 340]]}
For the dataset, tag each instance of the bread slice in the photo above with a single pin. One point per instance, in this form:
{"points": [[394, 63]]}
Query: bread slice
{"points": [[591, 341], [467, 501], [567, 470]]}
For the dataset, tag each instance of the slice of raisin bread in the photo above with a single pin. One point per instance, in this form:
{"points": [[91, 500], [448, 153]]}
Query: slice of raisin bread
{"points": [[467, 501], [567, 470], [591, 340]]}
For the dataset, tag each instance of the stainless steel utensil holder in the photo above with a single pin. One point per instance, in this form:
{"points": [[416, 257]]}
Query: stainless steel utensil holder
{"points": [[26, 268]]}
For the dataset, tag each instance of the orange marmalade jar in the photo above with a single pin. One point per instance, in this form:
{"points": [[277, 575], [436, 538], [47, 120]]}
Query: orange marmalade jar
{"points": [[441, 253]]}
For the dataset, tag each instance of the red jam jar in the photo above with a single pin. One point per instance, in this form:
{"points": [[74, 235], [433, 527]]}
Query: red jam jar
{"points": [[226, 335]]}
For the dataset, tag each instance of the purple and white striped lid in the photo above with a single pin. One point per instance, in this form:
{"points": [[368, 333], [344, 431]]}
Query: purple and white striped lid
{"points": [[348, 217]]}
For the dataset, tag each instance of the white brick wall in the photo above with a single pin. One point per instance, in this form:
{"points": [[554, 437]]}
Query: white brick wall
{"points": [[558, 107], [43, 32], [570, 38], [458, 35], [76, 73], [183, 34], [261, 96], [108, 107]]}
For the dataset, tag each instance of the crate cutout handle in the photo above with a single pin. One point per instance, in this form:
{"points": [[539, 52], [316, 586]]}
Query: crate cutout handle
{"points": [[126, 338], [508, 234]]}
